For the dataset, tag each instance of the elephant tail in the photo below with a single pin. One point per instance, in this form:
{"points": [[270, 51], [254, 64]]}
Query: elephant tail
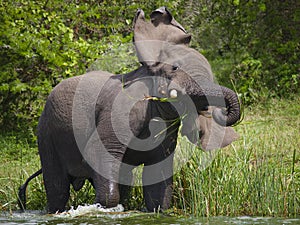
{"points": [[22, 190]]}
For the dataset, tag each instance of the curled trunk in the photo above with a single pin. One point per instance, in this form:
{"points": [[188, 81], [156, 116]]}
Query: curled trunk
{"points": [[227, 100]]}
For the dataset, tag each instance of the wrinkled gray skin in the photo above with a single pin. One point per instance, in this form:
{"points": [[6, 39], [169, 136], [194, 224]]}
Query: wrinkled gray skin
{"points": [[212, 132], [149, 38], [86, 131]]}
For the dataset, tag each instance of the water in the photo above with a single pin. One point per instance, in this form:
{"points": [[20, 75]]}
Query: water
{"points": [[89, 215]]}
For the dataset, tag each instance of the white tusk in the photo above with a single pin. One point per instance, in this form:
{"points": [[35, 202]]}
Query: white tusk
{"points": [[173, 93]]}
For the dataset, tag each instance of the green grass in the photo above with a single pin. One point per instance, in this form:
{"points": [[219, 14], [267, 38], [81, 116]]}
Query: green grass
{"points": [[257, 175], [19, 160]]}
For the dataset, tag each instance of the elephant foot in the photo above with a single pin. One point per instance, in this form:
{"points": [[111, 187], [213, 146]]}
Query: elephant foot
{"points": [[107, 193], [57, 204]]}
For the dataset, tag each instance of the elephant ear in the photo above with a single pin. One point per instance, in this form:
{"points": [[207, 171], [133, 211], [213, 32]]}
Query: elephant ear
{"points": [[150, 36], [213, 136], [206, 131], [163, 16]]}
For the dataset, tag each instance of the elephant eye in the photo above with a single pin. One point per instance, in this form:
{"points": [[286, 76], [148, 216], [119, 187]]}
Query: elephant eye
{"points": [[175, 67]]}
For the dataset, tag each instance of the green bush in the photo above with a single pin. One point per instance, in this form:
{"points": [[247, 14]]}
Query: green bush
{"points": [[247, 79], [42, 43], [254, 46], [38, 50]]}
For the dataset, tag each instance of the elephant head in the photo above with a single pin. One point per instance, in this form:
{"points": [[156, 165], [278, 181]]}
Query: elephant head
{"points": [[190, 82], [149, 36], [161, 45]]}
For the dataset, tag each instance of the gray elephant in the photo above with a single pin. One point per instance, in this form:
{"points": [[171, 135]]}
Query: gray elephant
{"points": [[149, 39], [100, 126]]}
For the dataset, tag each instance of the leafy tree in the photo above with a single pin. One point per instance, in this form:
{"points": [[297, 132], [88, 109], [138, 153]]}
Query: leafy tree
{"points": [[252, 44]]}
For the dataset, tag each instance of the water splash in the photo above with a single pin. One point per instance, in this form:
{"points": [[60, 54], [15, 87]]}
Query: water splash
{"points": [[89, 210]]}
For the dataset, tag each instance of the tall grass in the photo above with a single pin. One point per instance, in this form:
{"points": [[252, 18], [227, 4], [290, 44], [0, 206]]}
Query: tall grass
{"points": [[257, 175], [19, 159]]}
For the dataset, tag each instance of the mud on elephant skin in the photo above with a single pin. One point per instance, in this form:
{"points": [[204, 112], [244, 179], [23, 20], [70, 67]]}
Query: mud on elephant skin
{"points": [[100, 126]]}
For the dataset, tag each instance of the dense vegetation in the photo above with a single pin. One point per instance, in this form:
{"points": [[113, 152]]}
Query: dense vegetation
{"points": [[253, 47]]}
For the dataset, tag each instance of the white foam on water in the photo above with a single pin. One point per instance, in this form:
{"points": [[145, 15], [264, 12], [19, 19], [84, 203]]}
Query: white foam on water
{"points": [[83, 210]]}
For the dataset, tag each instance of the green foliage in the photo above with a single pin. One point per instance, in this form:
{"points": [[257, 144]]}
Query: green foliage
{"points": [[42, 43], [246, 77], [19, 159], [236, 34], [37, 51], [119, 57]]}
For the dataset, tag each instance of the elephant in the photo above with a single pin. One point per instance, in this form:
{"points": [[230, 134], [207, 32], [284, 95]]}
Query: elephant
{"points": [[148, 39], [99, 126]]}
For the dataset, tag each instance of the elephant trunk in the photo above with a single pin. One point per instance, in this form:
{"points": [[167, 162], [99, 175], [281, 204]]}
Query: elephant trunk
{"points": [[219, 96]]}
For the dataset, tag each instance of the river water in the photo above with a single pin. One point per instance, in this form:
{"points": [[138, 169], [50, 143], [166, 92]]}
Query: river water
{"points": [[90, 215]]}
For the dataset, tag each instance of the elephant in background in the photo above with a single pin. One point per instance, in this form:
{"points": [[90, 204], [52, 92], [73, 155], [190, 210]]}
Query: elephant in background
{"points": [[100, 126]]}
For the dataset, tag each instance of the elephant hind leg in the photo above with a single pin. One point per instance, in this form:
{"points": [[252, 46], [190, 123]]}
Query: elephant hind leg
{"points": [[58, 193], [56, 179], [57, 185]]}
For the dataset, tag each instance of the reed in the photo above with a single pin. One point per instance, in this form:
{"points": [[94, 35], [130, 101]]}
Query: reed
{"points": [[257, 175]]}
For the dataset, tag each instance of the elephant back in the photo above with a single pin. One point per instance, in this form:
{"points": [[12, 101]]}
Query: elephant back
{"points": [[71, 93]]}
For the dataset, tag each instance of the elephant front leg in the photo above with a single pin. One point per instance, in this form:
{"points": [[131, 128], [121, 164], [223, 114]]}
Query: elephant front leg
{"points": [[105, 180], [107, 191], [105, 165], [158, 196], [157, 187]]}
